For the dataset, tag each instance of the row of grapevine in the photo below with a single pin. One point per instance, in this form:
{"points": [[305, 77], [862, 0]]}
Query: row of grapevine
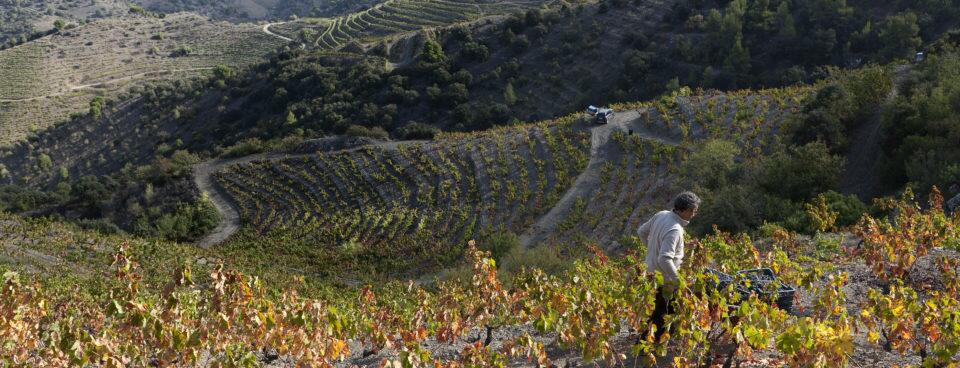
{"points": [[635, 179], [443, 190], [399, 16], [602, 303], [749, 118]]}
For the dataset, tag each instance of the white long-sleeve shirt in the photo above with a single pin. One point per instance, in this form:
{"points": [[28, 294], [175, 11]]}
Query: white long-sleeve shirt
{"points": [[663, 234]]}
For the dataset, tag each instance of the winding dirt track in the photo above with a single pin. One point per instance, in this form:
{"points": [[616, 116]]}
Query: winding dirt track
{"points": [[266, 29], [862, 173], [588, 181]]}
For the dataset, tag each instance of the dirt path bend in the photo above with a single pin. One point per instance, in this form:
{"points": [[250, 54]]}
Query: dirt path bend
{"points": [[589, 180], [862, 173], [230, 221], [266, 29]]}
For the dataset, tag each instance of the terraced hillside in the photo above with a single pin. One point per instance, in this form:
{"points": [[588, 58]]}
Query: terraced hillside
{"points": [[416, 197], [564, 182], [636, 173], [252, 10], [21, 20], [399, 16], [48, 79]]}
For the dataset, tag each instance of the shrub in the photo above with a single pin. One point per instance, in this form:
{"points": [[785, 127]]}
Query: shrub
{"points": [[712, 166], [246, 147], [362, 131], [546, 258], [498, 243], [800, 173], [432, 52], [96, 107], [839, 106], [18, 199], [88, 192], [182, 51], [849, 208], [188, 222], [734, 208], [415, 130], [475, 51], [44, 163]]}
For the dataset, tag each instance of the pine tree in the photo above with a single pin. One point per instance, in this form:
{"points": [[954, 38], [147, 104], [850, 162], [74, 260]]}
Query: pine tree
{"points": [[899, 35], [738, 59], [509, 96], [432, 52], [759, 18], [788, 29]]}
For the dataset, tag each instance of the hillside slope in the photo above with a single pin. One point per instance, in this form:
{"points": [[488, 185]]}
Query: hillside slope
{"points": [[21, 20], [50, 78], [842, 305], [410, 207]]}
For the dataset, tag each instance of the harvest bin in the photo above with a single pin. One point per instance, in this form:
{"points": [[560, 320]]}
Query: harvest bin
{"points": [[760, 280]]}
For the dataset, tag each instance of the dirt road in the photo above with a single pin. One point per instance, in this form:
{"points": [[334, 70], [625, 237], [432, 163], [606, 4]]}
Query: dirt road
{"points": [[862, 173], [588, 181], [266, 29]]}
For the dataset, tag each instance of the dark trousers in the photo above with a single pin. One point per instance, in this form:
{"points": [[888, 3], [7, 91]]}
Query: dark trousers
{"points": [[662, 307]]}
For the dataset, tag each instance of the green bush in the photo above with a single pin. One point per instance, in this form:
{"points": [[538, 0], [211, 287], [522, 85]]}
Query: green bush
{"points": [[246, 147], [362, 131], [498, 243], [44, 162], [18, 199], [849, 208], [182, 51], [732, 208], [921, 130], [415, 130], [187, 223], [712, 165], [799, 173], [841, 105]]}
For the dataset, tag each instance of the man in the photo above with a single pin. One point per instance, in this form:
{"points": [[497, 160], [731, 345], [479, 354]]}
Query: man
{"points": [[663, 235]]}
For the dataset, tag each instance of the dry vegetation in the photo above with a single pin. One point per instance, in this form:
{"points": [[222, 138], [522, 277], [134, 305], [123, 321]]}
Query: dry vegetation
{"points": [[48, 79], [20, 20], [396, 17]]}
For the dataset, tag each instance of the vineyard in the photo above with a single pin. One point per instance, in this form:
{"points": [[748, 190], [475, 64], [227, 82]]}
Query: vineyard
{"points": [[860, 304], [398, 16], [558, 182], [48, 79], [56, 251], [635, 174], [425, 198], [21, 20]]}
